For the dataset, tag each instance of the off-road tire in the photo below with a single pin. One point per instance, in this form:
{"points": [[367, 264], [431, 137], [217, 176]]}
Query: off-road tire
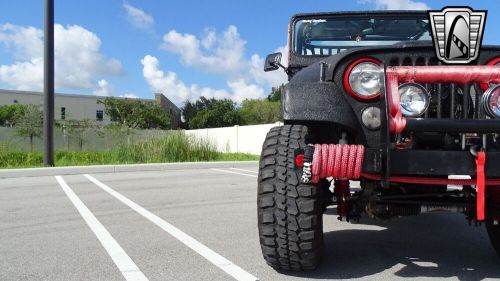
{"points": [[494, 234], [290, 214]]}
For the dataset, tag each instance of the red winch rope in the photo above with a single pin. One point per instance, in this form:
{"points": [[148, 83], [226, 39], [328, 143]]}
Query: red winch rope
{"points": [[343, 161], [340, 161], [481, 185]]}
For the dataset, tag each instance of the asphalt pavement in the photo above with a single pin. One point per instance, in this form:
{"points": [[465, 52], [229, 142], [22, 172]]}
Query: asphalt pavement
{"points": [[198, 222]]}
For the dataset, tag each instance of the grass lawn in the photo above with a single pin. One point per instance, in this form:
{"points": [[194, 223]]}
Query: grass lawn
{"points": [[175, 147]]}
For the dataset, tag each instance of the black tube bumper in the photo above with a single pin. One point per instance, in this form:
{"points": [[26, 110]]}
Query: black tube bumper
{"points": [[430, 163], [452, 125]]}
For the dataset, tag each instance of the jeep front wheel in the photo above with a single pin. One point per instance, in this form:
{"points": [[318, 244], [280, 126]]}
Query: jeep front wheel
{"points": [[290, 214]]}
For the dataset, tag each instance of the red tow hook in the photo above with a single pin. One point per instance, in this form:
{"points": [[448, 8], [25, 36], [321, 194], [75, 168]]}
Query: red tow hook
{"points": [[299, 160], [480, 185]]}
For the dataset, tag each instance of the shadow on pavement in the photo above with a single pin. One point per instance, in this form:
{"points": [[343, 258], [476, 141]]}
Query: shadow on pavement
{"points": [[436, 246]]}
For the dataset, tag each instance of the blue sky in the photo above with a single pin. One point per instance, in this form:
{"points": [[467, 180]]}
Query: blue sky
{"points": [[181, 48]]}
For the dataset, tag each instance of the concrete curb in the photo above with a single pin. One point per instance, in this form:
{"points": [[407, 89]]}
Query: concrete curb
{"points": [[74, 170]]}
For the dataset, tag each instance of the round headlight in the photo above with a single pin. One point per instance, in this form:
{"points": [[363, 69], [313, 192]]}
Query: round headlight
{"points": [[491, 101], [413, 99], [371, 117], [362, 79]]}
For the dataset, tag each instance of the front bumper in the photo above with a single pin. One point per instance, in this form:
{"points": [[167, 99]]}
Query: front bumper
{"points": [[430, 163], [388, 161], [396, 123], [486, 126]]}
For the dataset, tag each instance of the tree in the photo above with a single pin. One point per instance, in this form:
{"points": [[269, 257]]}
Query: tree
{"points": [[9, 113], [77, 130], [263, 111], [136, 114], [191, 109], [214, 114], [188, 112], [275, 94], [30, 123], [260, 112]]}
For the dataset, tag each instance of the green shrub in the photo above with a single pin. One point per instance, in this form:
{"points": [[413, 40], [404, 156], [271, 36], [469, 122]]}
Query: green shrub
{"points": [[174, 147], [14, 159]]}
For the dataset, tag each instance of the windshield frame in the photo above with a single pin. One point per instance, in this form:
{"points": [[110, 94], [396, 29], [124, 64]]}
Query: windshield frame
{"points": [[341, 15]]}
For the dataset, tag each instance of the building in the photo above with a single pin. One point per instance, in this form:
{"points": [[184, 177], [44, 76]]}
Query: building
{"points": [[170, 108], [79, 107]]}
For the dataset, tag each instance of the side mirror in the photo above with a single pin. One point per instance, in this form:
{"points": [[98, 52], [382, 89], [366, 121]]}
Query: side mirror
{"points": [[273, 62]]}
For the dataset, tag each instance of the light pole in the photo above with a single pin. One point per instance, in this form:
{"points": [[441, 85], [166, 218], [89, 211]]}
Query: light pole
{"points": [[48, 85]]}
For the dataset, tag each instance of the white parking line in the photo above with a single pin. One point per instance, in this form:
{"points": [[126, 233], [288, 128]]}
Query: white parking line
{"points": [[230, 268], [124, 263], [243, 170], [231, 172]]}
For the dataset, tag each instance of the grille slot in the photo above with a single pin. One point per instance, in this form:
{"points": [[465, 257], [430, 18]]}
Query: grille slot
{"points": [[408, 62], [466, 101], [447, 100], [452, 100]]}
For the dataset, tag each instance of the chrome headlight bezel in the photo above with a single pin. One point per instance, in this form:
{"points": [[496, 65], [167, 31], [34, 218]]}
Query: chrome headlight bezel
{"points": [[491, 101], [423, 93], [363, 79]]}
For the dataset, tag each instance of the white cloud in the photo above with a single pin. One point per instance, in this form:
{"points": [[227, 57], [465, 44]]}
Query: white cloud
{"points": [[221, 54], [78, 58], [177, 91], [168, 83], [271, 79], [27, 75], [208, 41], [397, 4], [78, 61], [129, 96], [104, 88], [242, 90], [137, 17], [24, 42]]}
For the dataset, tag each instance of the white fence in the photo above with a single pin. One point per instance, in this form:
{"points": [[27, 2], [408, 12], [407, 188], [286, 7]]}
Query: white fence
{"points": [[93, 140], [245, 139]]}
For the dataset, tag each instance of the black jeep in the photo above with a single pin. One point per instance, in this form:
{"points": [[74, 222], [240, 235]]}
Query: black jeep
{"points": [[368, 100]]}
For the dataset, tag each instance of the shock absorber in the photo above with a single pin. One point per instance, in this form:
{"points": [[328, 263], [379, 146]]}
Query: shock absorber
{"points": [[341, 192]]}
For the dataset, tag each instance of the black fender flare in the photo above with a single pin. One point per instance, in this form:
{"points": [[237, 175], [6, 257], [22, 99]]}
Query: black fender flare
{"points": [[317, 101]]}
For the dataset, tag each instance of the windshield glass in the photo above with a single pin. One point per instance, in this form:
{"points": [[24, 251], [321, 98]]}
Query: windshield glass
{"points": [[329, 36]]}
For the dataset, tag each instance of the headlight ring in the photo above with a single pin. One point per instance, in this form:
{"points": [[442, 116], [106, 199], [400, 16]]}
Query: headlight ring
{"points": [[491, 101], [414, 99], [362, 79]]}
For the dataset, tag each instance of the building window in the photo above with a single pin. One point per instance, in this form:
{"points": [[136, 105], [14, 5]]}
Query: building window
{"points": [[99, 115], [63, 113]]}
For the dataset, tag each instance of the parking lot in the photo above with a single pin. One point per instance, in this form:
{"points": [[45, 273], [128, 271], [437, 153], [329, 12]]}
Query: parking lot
{"points": [[194, 222]]}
